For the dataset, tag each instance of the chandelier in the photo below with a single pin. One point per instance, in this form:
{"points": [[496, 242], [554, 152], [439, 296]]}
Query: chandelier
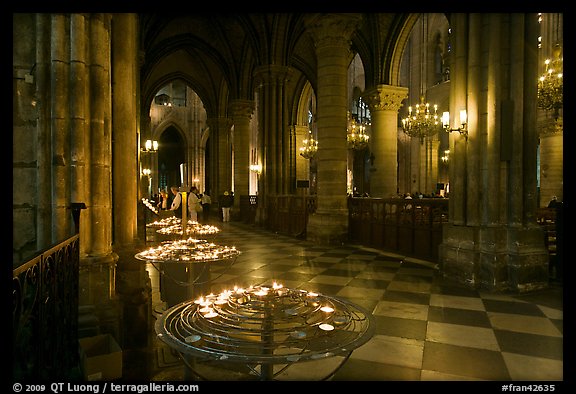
{"points": [[310, 147], [550, 84], [357, 137], [422, 122]]}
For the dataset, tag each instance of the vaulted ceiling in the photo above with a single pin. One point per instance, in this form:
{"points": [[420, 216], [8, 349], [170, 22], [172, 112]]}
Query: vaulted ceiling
{"points": [[216, 54]]}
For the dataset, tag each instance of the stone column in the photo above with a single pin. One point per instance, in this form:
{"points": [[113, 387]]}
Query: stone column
{"points": [[241, 114], [432, 166], [551, 165], [100, 138], [275, 137], [331, 34], [132, 279], [124, 128], [222, 157], [302, 164], [78, 110], [550, 122], [492, 240], [385, 101], [43, 156], [273, 134], [60, 117], [458, 142]]}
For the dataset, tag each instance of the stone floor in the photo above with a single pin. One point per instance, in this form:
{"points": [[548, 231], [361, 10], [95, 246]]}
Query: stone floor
{"points": [[426, 328]]}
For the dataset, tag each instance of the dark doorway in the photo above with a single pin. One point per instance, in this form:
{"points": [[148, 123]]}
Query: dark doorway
{"points": [[170, 156]]}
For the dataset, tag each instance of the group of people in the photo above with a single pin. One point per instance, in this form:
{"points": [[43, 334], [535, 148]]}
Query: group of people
{"points": [[198, 204]]}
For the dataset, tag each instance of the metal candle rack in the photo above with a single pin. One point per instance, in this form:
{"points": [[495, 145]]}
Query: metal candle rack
{"points": [[186, 262], [262, 327]]}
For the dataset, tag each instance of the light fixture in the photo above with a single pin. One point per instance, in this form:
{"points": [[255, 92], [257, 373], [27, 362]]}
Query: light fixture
{"points": [[150, 146], [463, 129], [257, 168], [421, 122], [357, 137], [146, 172], [310, 147], [551, 85], [446, 156]]}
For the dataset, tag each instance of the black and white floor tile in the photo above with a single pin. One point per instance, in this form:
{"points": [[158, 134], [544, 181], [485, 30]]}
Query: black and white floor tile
{"points": [[427, 328]]}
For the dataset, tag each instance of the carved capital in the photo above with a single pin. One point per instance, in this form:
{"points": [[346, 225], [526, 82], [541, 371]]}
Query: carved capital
{"points": [[272, 74], [220, 123], [242, 108], [385, 97], [330, 30]]}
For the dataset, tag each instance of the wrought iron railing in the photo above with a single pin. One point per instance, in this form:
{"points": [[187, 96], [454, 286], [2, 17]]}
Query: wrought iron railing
{"points": [[45, 314]]}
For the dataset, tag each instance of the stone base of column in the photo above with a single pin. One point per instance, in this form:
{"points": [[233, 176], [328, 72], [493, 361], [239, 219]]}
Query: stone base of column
{"points": [[96, 291], [327, 228], [495, 259]]}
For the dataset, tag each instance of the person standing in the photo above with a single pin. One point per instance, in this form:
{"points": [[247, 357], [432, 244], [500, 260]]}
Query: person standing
{"points": [[206, 203], [553, 202], [176, 205], [226, 203], [163, 203], [193, 203]]}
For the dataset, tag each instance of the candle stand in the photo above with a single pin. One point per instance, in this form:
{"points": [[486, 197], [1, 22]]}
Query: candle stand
{"points": [[171, 228], [261, 331], [184, 266]]}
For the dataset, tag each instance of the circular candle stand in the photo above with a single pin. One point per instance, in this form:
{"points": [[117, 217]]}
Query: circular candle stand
{"points": [[258, 333], [171, 227], [186, 263]]}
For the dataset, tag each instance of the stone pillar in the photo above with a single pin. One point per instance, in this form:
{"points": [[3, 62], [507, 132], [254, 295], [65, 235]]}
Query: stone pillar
{"points": [[432, 165], [273, 124], [331, 34], [302, 164], [273, 134], [551, 166], [100, 138], [550, 121], [385, 101], [78, 109], [125, 150], [60, 117], [132, 279], [492, 240], [241, 113], [43, 156], [222, 157]]}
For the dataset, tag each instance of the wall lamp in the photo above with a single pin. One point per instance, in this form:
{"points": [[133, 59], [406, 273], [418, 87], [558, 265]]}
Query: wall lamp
{"points": [[463, 129], [257, 168], [150, 146]]}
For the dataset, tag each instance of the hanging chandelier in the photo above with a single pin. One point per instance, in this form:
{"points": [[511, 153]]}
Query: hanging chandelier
{"points": [[357, 137], [310, 147], [422, 122], [550, 84]]}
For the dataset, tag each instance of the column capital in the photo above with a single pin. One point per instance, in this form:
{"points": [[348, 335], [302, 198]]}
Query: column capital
{"points": [[330, 30], [219, 123], [271, 74], [385, 97], [242, 108]]}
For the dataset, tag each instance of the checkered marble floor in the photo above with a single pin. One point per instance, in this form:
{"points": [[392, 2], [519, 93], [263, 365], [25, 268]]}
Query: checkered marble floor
{"points": [[427, 328]]}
